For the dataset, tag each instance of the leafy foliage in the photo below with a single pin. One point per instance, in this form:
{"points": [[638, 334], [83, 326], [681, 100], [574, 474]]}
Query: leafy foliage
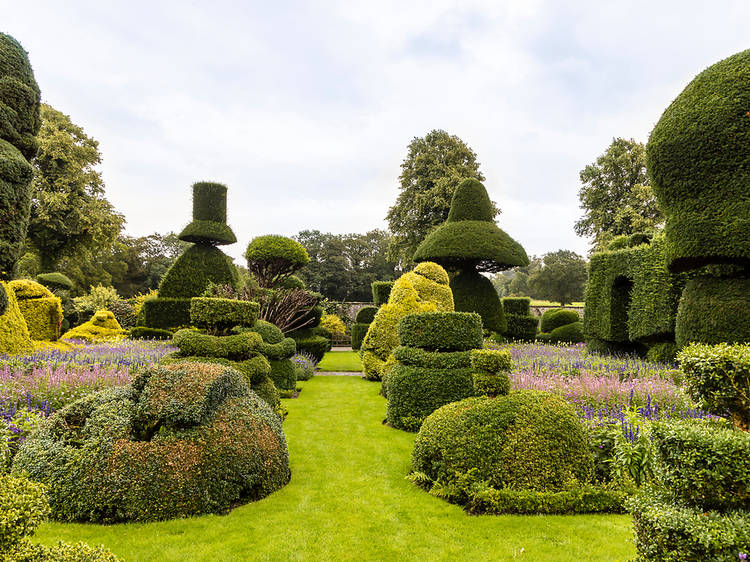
{"points": [[41, 310], [218, 316], [473, 292], [381, 291], [55, 280], [616, 196], [441, 331], [14, 334], [191, 273], [561, 277], [209, 224], [102, 326], [556, 317], [272, 259]]}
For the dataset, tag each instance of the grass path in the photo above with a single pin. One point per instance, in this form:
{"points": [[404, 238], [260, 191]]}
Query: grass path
{"points": [[348, 500], [339, 361]]}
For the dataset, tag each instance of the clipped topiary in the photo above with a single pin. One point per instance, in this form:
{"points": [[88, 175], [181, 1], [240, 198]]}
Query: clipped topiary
{"points": [[521, 325], [527, 440], [103, 326], [182, 440], [191, 273], [165, 314], [470, 242], [425, 289], [19, 123], [279, 351], [55, 280], [556, 317], [41, 309], [272, 258], [144, 333], [362, 322], [432, 374], [491, 368], [3, 300], [381, 291], [209, 224], [218, 316], [569, 333], [14, 334]]}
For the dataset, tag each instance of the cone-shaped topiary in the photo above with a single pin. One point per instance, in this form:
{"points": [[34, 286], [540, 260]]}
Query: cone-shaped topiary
{"points": [[470, 242], [209, 224], [19, 124]]}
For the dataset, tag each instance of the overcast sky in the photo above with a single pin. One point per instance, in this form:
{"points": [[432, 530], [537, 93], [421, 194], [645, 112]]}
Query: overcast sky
{"points": [[305, 109]]}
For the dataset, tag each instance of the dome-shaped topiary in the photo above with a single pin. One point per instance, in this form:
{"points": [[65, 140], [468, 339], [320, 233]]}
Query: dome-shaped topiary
{"points": [[698, 157], [273, 258], [182, 440], [102, 326], [556, 317], [55, 280], [191, 273], [527, 440], [209, 224]]}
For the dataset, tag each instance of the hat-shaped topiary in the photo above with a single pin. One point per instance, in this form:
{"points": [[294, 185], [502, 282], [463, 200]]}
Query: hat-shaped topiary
{"points": [[470, 235], [698, 157], [209, 224], [470, 241]]}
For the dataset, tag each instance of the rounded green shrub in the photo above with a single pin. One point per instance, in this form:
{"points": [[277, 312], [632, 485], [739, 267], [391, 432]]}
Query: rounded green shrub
{"points": [[292, 282], [239, 346], [366, 315], [527, 440], [569, 333], [272, 258], [516, 305], [268, 331], [55, 280], [14, 334], [144, 333], [473, 292], [556, 317], [445, 331], [23, 507], [315, 346], [181, 440], [209, 224], [714, 310], [218, 316], [102, 326], [191, 273], [283, 374], [490, 371], [381, 290], [699, 163]]}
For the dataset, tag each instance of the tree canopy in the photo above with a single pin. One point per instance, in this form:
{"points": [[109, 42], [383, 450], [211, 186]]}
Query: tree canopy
{"points": [[69, 213], [561, 277], [616, 196], [434, 166]]}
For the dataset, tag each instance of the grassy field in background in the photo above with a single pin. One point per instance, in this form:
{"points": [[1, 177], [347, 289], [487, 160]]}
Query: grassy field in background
{"points": [[550, 303], [348, 500], [340, 361]]}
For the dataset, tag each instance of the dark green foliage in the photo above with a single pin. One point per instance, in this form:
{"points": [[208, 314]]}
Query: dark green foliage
{"points": [[23, 507], [283, 374], [144, 333], [55, 280], [631, 297], [366, 315], [666, 532], [218, 316], [517, 305], [182, 440], [198, 266], [415, 392], [166, 313], [714, 310], [292, 282], [527, 440], [272, 259], [471, 203], [491, 384], [15, 200], [3, 300], [19, 98], [416, 357], [381, 290], [239, 346], [445, 331], [699, 162], [283, 349], [315, 346], [586, 499], [269, 332], [520, 327], [556, 317], [703, 464], [663, 352], [473, 292], [491, 368], [359, 331], [569, 333], [209, 224], [718, 377]]}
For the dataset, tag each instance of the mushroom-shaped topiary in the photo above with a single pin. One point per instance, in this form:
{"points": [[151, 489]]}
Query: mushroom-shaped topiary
{"points": [[273, 259], [19, 124], [470, 242]]}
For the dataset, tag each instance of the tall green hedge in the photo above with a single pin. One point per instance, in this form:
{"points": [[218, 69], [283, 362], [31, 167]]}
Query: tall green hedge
{"points": [[166, 313], [381, 290], [516, 305], [198, 266]]}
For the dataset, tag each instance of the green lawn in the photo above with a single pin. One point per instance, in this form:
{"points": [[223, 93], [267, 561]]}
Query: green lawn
{"points": [[340, 361], [348, 500], [535, 302]]}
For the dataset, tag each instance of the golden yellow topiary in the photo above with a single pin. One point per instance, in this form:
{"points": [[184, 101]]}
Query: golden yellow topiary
{"points": [[102, 326], [41, 309], [14, 335], [333, 323], [425, 289]]}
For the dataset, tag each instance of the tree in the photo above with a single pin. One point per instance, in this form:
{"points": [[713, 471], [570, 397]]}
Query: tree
{"points": [[616, 196], [561, 277], [272, 258], [433, 168], [69, 213]]}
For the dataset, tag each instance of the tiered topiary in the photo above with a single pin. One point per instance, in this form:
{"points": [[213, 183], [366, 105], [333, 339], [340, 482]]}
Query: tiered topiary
{"points": [[432, 365], [699, 507], [526, 452], [181, 440], [279, 351], [248, 349], [362, 322], [631, 298], [521, 325], [561, 325], [19, 123], [425, 289], [491, 368], [103, 326], [14, 334], [470, 242], [201, 264], [41, 310]]}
